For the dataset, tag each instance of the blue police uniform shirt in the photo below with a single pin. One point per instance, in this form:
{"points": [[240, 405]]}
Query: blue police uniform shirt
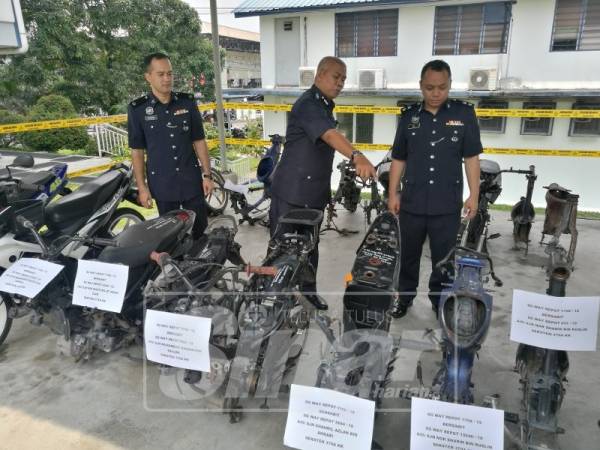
{"points": [[433, 147], [166, 132], [303, 175]]}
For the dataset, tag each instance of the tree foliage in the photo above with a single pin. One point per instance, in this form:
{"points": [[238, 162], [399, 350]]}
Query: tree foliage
{"points": [[48, 108], [91, 51]]}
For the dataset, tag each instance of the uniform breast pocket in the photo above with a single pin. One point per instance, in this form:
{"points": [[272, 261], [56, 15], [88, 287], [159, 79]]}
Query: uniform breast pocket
{"points": [[183, 123], [455, 135]]}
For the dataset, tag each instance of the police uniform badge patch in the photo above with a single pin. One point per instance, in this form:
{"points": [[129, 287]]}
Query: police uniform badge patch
{"points": [[415, 122], [149, 111]]}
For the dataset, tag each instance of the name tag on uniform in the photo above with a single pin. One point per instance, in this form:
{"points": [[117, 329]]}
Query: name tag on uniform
{"points": [[151, 118], [180, 111], [455, 123]]}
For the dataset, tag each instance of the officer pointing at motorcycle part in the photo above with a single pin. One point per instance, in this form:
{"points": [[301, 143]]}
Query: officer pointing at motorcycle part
{"points": [[167, 127], [433, 138], [302, 178]]}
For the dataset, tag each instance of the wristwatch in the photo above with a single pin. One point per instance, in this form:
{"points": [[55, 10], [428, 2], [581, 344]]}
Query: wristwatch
{"points": [[354, 154], [207, 176]]}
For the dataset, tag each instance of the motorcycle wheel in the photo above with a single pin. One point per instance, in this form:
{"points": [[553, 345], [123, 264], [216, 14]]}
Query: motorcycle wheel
{"points": [[5, 321], [217, 201], [122, 219]]}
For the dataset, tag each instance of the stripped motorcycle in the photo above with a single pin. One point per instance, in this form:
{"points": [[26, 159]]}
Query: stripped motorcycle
{"points": [[465, 312], [543, 371], [259, 325]]}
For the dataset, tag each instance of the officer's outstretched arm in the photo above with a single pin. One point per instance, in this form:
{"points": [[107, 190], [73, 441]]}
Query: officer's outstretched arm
{"points": [[338, 141], [472, 171], [396, 172], [138, 163]]}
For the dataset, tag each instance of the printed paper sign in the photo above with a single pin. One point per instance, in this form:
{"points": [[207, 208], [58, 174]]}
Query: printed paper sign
{"points": [[28, 276], [555, 323], [177, 340], [322, 419], [100, 285], [452, 426]]}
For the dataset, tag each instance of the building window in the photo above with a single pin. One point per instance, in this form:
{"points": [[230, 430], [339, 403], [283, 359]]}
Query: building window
{"points": [[537, 125], [356, 127], [471, 29], [576, 25], [585, 127], [492, 124], [369, 33]]}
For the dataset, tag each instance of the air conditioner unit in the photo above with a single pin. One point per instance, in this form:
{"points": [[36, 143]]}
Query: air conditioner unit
{"points": [[483, 79], [371, 79], [306, 76]]}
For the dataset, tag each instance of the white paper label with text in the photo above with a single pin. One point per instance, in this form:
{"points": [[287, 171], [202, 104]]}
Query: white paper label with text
{"points": [[555, 323]]}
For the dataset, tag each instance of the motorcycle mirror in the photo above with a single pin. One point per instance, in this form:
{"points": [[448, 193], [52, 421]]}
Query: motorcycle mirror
{"points": [[25, 161]]}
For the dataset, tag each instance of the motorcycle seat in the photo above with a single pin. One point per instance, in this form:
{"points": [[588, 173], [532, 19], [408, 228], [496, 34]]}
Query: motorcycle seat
{"points": [[70, 212], [37, 178], [135, 243], [304, 217]]}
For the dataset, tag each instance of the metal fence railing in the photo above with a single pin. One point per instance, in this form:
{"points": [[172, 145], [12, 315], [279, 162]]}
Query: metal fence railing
{"points": [[242, 167], [111, 140]]}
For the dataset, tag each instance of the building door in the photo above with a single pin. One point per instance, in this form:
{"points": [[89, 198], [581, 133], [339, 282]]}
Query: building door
{"points": [[287, 51]]}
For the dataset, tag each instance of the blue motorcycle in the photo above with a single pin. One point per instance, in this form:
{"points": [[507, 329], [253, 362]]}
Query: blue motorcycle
{"points": [[42, 185], [465, 313]]}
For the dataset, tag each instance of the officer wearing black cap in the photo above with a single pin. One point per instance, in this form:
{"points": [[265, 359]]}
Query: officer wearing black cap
{"points": [[302, 178], [433, 139], [168, 127]]}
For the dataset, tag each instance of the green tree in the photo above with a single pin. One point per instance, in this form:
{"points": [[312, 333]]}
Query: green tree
{"points": [[8, 117], [91, 51], [54, 107]]}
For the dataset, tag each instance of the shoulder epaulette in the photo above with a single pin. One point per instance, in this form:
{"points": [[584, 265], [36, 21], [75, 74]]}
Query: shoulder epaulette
{"points": [[139, 101], [184, 95], [463, 102], [410, 107]]}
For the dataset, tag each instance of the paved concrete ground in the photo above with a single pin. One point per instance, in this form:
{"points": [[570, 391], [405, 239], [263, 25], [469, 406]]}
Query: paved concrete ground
{"points": [[48, 401]]}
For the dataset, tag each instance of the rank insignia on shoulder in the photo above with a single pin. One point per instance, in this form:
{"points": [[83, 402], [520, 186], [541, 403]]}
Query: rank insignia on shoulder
{"points": [[181, 111], [139, 101], [455, 123], [184, 95]]}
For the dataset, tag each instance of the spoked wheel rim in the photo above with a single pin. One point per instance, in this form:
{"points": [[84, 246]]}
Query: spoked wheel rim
{"points": [[217, 199]]}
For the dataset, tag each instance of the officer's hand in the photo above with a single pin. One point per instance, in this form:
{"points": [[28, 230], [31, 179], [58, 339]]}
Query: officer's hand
{"points": [[394, 203], [209, 186], [144, 198], [364, 168], [470, 207]]}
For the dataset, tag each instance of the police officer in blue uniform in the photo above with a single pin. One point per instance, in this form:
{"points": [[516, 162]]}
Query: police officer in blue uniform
{"points": [[167, 127], [302, 178], [433, 139]]}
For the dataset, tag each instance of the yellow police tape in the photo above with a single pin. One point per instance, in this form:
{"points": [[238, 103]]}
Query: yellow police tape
{"points": [[378, 147], [89, 170], [529, 113], [212, 143]]}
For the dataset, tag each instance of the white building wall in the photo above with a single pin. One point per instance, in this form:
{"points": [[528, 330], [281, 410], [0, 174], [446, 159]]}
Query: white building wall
{"points": [[529, 60], [267, 51]]}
